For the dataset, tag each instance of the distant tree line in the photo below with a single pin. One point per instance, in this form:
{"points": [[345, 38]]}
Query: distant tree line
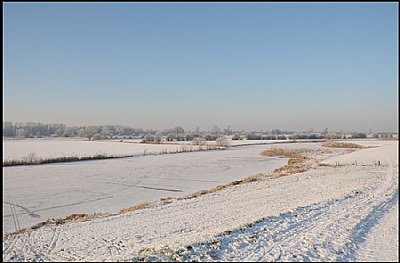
{"points": [[255, 136], [328, 136], [382, 135], [39, 130], [296, 136]]}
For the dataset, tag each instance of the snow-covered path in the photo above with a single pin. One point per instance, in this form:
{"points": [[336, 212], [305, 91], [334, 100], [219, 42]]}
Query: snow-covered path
{"points": [[330, 231], [327, 213]]}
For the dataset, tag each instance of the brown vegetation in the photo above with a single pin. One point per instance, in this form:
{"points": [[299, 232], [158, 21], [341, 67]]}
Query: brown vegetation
{"points": [[162, 199], [335, 144], [58, 221], [291, 169], [296, 163], [33, 160], [300, 159], [134, 208], [77, 218], [61, 221], [274, 151], [220, 187]]}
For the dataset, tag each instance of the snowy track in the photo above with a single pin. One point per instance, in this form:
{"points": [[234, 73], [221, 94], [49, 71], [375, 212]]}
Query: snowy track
{"points": [[32, 194], [324, 214], [332, 231]]}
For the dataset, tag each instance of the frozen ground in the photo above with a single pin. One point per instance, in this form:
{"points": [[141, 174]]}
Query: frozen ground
{"points": [[14, 149], [57, 190], [328, 213], [52, 148]]}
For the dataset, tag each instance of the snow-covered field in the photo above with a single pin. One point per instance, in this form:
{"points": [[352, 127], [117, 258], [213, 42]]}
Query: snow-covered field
{"points": [[347, 212], [58, 190], [17, 149], [59, 147]]}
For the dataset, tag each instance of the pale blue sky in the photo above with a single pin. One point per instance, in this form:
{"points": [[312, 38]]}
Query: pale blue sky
{"points": [[158, 65]]}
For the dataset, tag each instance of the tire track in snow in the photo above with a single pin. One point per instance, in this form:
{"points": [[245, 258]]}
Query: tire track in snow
{"points": [[8, 246], [28, 251], [317, 232], [54, 239], [66, 205], [332, 231], [29, 212]]}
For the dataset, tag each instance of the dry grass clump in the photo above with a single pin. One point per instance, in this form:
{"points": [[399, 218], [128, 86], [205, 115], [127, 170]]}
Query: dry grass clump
{"points": [[291, 169], [199, 193], [22, 230], [249, 179], [295, 163], [61, 221], [52, 221], [32, 159], [220, 187], [44, 223], [299, 159], [134, 208], [335, 144], [274, 151], [167, 198], [77, 218]]}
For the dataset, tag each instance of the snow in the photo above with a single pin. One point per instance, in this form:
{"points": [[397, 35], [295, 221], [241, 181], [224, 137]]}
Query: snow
{"points": [[17, 149], [384, 246], [327, 213], [58, 190], [52, 148]]}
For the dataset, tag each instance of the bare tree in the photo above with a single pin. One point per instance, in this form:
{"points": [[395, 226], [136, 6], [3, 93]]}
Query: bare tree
{"points": [[90, 131], [215, 130], [105, 131], [228, 130], [197, 131], [20, 132], [157, 139], [276, 132], [179, 130]]}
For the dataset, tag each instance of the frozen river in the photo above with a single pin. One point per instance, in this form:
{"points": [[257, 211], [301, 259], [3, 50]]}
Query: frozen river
{"points": [[36, 193]]}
